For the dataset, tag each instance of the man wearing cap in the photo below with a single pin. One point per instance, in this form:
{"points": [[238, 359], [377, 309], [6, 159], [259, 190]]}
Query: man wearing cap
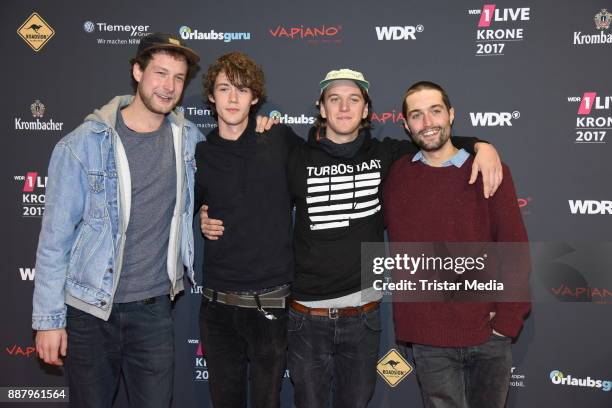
{"points": [[334, 320], [116, 236]]}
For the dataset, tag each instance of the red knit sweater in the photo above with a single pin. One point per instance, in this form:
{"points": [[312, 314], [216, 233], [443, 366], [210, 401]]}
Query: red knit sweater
{"points": [[436, 204]]}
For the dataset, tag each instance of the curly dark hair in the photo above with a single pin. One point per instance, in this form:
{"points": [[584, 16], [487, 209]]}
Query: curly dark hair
{"points": [[241, 71]]}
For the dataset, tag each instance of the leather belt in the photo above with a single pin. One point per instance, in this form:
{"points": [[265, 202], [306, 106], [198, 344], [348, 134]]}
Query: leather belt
{"points": [[274, 299], [334, 313]]}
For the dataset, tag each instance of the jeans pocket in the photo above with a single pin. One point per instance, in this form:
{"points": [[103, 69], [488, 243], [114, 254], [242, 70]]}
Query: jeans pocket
{"points": [[371, 320], [296, 321]]}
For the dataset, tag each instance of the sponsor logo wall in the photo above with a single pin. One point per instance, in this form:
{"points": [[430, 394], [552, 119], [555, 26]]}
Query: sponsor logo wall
{"points": [[532, 77]]}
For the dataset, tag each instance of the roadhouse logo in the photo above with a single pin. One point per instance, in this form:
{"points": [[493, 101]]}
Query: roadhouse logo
{"points": [[498, 28], [36, 32], [517, 379], [590, 207], [32, 194], [16, 350], [395, 33], [37, 108], [292, 120], [313, 35], [558, 378], [602, 25], [119, 32], [187, 33], [594, 117], [200, 372], [493, 119], [393, 368]]}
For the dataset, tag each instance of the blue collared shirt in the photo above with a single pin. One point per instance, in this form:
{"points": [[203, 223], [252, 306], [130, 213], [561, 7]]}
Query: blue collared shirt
{"points": [[457, 160]]}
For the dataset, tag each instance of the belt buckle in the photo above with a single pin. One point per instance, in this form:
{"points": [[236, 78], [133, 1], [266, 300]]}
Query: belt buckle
{"points": [[333, 313]]}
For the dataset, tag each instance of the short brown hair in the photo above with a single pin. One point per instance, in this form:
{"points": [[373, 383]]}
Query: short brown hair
{"points": [[144, 58], [241, 71], [366, 123], [420, 86]]}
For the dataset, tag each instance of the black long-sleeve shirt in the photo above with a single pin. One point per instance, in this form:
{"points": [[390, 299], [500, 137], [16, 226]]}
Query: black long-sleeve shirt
{"points": [[244, 183], [338, 206]]}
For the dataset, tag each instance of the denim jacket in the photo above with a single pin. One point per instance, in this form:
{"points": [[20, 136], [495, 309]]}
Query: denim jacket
{"points": [[87, 211]]}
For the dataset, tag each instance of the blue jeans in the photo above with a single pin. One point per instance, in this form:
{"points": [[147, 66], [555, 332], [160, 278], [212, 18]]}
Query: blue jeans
{"points": [[136, 343], [333, 354], [464, 377], [236, 338]]}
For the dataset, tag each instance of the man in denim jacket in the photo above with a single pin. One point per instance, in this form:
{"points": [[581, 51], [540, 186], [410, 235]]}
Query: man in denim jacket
{"points": [[117, 235]]}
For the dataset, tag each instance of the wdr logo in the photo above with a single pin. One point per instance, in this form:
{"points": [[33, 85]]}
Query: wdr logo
{"points": [[590, 207], [492, 119], [394, 33], [27, 274]]}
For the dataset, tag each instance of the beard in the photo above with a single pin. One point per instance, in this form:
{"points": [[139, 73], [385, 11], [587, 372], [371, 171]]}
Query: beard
{"points": [[431, 145]]}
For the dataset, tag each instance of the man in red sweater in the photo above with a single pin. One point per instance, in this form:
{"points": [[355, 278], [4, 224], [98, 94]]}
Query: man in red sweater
{"points": [[461, 349]]}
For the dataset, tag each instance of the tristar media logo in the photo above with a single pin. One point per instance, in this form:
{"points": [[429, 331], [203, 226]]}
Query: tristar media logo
{"points": [[187, 33], [37, 108], [36, 32], [311, 34], [590, 207], [498, 28], [602, 24], [292, 120], [33, 187], [116, 34], [395, 33], [493, 119], [593, 117], [393, 368], [558, 378]]}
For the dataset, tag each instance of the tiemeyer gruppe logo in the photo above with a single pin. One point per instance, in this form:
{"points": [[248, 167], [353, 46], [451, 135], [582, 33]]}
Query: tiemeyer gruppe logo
{"points": [[32, 194], [37, 109], [119, 32], [202, 117], [498, 28], [602, 21], [594, 117], [292, 120], [395, 33], [322, 34], [187, 33], [558, 378]]}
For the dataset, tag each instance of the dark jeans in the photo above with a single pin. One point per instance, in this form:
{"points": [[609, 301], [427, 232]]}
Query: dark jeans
{"points": [[464, 377], [235, 338], [136, 343], [342, 352]]}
